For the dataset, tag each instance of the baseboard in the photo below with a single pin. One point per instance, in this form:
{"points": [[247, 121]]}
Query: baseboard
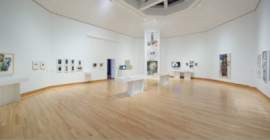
{"points": [[34, 92], [225, 82], [260, 92]]}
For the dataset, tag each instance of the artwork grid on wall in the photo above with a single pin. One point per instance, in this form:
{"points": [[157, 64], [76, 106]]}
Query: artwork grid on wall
{"points": [[68, 65], [59, 65], [6, 64]]}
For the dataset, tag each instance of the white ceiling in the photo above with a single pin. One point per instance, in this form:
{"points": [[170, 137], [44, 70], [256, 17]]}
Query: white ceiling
{"points": [[118, 16]]}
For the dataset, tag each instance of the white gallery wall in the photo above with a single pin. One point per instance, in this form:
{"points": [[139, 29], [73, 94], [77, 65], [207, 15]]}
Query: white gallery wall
{"points": [[244, 37], [263, 44], [236, 37], [33, 34], [25, 32]]}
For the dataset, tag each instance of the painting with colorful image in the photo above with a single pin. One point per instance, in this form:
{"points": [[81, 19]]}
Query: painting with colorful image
{"points": [[6, 64], [225, 65]]}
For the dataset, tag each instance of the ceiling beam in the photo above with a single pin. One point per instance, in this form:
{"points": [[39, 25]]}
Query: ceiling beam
{"points": [[149, 4]]}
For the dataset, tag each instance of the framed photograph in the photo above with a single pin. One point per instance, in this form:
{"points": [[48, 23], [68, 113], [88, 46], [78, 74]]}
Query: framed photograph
{"points": [[66, 61], [122, 67], [101, 65], [269, 64], [73, 68], [94, 65], [72, 62], [59, 69], [264, 66], [225, 65], [59, 62], [259, 66], [79, 67], [35, 65], [152, 67], [6, 64], [42, 66], [175, 64], [66, 69]]}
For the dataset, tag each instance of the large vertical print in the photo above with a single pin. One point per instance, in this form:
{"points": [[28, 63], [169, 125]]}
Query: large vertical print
{"points": [[152, 47], [259, 66], [225, 65], [264, 66]]}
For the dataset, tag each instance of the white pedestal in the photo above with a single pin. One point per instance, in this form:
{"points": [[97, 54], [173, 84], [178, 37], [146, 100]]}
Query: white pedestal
{"points": [[135, 84], [164, 79], [9, 90], [9, 94], [135, 87], [187, 75]]}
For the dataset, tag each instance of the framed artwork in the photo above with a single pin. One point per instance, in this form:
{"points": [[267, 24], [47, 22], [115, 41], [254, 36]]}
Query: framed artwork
{"points": [[94, 65], [176, 65], [59, 62], [66, 61], [72, 62], [35, 65], [79, 67], [259, 66], [152, 67], [264, 66], [122, 67], [269, 64], [225, 65], [59, 66], [72, 65], [6, 64], [72, 68], [42, 66], [59, 69], [66, 69], [101, 65]]}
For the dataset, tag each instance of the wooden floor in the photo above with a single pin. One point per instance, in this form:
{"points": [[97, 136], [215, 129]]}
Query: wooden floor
{"points": [[195, 110]]}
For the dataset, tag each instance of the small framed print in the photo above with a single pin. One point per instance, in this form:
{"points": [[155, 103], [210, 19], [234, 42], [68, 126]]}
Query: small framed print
{"points": [[66, 61], [72, 62], [101, 65], [59, 62], [35, 65], [66, 69], [42, 66], [59, 69]]}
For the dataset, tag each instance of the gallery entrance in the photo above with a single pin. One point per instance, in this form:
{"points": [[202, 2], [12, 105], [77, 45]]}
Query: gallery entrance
{"points": [[110, 69]]}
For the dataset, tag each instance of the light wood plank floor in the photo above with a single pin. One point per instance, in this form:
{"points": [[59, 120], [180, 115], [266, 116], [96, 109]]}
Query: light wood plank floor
{"points": [[195, 110]]}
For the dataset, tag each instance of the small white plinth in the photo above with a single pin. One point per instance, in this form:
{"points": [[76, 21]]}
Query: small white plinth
{"points": [[135, 84], [9, 91], [164, 79], [187, 75]]}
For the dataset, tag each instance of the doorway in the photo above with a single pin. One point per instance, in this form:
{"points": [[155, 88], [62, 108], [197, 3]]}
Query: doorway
{"points": [[110, 69]]}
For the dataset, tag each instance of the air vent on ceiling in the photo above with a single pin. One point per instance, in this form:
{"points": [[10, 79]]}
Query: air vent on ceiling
{"points": [[160, 7]]}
